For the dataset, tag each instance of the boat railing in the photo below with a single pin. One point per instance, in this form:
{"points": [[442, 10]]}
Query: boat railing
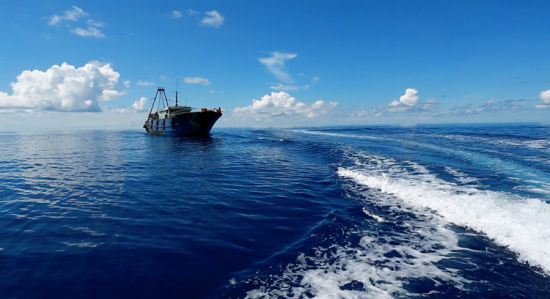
{"points": [[193, 109], [216, 110]]}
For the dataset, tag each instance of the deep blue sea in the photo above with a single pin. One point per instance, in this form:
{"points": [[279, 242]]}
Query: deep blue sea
{"points": [[343, 212]]}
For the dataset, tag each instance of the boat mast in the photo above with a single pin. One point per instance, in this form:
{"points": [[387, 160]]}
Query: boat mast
{"points": [[165, 99], [154, 100], [159, 90], [160, 93]]}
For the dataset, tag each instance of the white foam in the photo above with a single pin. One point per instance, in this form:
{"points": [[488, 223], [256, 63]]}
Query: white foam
{"points": [[460, 176], [82, 244], [380, 265], [326, 273], [336, 134], [536, 144], [540, 144], [85, 229], [373, 216], [521, 224]]}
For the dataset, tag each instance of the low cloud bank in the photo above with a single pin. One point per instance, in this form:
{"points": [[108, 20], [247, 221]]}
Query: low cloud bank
{"points": [[282, 104]]}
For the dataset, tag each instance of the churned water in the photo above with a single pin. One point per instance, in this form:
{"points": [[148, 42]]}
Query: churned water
{"points": [[347, 212]]}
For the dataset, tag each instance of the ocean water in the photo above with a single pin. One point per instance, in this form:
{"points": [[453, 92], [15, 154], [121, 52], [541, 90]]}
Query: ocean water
{"points": [[345, 212]]}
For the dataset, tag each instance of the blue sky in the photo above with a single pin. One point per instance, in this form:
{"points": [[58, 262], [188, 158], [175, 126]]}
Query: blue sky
{"points": [[95, 64]]}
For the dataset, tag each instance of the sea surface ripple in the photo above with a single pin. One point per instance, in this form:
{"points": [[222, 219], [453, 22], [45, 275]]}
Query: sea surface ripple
{"points": [[342, 212]]}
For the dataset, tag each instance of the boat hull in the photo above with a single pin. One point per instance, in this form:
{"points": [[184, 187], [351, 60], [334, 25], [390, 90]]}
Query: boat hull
{"points": [[187, 124]]}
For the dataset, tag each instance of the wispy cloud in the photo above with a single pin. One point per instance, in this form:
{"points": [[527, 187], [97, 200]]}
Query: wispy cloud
{"points": [[145, 83], [410, 102], [283, 105], [276, 65], [429, 105], [295, 87], [95, 23], [176, 14], [196, 80], [74, 15], [69, 15], [89, 32], [359, 114], [506, 105], [283, 87], [314, 81], [490, 106], [213, 19]]}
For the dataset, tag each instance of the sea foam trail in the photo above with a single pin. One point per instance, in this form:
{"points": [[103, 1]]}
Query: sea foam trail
{"points": [[533, 179], [382, 264], [378, 266], [519, 223]]}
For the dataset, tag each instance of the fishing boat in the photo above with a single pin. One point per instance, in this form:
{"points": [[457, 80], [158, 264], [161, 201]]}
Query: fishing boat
{"points": [[179, 120]]}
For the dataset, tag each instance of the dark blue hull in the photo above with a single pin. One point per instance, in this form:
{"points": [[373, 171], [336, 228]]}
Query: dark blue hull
{"points": [[187, 124]]}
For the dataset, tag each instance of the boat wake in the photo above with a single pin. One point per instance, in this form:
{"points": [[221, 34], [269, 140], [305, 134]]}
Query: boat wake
{"points": [[519, 223], [419, 235]]}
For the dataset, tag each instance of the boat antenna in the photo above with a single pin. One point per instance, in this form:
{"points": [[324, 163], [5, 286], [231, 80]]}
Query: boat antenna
{"points": [[177, 87]]}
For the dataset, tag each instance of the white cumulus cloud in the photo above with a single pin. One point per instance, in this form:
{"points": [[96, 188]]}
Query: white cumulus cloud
{"points": [[282, 104], [276, 65], [545, 98], [196, 80], [139, 105], [406, 101], [213, 19], [64, 88]]}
